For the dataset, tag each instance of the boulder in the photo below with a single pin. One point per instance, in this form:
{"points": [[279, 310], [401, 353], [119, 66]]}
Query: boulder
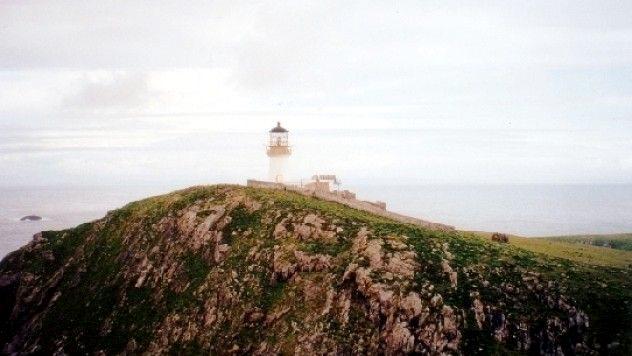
{"points": [[498, 237]]}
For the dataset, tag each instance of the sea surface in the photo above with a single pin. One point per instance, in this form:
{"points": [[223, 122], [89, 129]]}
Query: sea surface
{"points": [[59, 207], [529, 210]]}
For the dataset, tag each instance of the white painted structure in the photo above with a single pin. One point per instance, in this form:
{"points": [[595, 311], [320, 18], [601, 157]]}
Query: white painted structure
{"points": [[330, 180], [279, 152]]}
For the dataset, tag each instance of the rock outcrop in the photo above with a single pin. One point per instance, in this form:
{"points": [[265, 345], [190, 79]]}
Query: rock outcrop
{"points": [[225, 269], [498, 237]]}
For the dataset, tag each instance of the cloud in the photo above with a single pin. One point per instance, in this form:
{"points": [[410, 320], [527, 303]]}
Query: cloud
{"points": [[111, 91], [107, 34], [272, 38], [206, 66]]}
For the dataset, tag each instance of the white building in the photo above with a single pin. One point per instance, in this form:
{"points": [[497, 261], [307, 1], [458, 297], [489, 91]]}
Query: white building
{"points": [[279, 152]]}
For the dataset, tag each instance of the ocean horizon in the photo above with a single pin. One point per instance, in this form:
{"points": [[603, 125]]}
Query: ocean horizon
{"points": [[526, 210]]}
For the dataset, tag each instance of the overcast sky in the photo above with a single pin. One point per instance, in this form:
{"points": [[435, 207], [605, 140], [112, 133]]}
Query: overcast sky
{"points": [[406, 91]]}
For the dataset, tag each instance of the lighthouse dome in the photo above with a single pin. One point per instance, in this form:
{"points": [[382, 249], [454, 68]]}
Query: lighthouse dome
{"points": [[278, 129]]}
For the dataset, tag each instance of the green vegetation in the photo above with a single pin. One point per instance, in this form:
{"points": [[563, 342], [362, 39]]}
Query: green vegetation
{"points": [[577, 252], [196, 268], [272, 295], [614, 241], [94, 297]]}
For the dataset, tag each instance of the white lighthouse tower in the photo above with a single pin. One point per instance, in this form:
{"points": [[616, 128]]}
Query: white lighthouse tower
{"points": [[279, 151]]}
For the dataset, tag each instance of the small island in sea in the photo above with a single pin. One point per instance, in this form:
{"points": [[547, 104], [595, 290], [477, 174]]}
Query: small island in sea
{"points": [[31, 218]]}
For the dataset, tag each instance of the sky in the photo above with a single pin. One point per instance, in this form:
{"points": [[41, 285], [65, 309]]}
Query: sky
{"points": [[398, 92]]}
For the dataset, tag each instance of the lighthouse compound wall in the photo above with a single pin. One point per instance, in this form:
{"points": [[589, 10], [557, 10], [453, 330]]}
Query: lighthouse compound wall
{"points": [[347, 198]]}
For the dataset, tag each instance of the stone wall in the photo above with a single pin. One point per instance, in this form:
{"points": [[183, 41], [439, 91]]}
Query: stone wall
{"points": [[262, 184], [374, 208]]}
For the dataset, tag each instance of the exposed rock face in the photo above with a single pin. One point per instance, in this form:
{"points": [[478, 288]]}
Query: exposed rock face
{"points": [[498, 237], [231, 270]]}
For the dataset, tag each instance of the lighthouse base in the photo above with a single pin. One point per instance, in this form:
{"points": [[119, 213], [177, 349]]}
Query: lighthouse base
{"points": [[278, 168]]}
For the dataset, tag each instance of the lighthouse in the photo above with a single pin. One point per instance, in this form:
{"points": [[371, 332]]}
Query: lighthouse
{"points": [[279, 151]]}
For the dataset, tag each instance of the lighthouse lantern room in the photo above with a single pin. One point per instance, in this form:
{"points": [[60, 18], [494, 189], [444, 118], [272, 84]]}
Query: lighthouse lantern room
{"points": [[279, 151]]}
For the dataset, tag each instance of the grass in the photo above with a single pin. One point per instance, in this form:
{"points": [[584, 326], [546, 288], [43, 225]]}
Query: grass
{"points": [[597, 278], [614, 241], [583, 253]]}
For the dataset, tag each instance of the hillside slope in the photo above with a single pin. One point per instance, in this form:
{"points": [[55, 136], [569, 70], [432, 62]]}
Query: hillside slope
{"points": [[227, 269], [613, 241], [578, 252]]}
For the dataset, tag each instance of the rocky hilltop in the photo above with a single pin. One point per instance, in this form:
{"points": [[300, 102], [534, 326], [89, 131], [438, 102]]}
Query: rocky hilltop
{"points": [[228, 269]]}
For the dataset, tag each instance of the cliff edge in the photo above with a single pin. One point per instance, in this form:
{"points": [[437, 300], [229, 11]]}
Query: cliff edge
{"points": [[228, 269]]}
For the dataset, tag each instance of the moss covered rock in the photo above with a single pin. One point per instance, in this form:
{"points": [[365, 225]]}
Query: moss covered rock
{"points": [[227, 269]]}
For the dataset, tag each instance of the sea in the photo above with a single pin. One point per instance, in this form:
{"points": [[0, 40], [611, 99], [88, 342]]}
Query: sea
{"points": [[528, 210]]}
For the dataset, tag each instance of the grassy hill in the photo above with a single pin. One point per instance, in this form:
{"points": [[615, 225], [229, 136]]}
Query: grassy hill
{"points": [[570, 249], [228, 269], [613, 241]]}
